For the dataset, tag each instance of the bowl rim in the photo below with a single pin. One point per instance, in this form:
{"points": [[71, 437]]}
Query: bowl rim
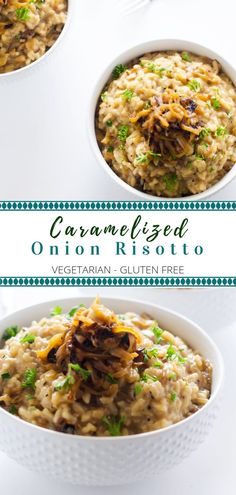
{"points": [[103, 78], [134, 437], [33, 64]]}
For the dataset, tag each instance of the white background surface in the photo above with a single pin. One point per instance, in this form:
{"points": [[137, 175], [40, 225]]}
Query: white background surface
{"points": [[45, 154]]}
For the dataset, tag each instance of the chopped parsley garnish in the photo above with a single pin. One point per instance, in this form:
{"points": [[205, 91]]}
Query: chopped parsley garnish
{"points": [[215, 103], [147, 105], [145, 157], [157, 364], [172, 376], [123, 133], [220, 131], [29, 378], [22, 13], [171, 181], [204, 132], [109, 123], [56, 311], [110, 378], [78, 369], [104, 96], [118, 70], [152, 67], [157, 70], [113, 424], [29, 339], [66, 383], [10, 332], [13, 410], [173, 396], [194, 85], [128, 94], [171, 355], [199, 157], [186, 57], [160, 71], [157, 331], [137, 388], [110, 149], [74, 309], [145, 377], [150, 353], [6, 376]]}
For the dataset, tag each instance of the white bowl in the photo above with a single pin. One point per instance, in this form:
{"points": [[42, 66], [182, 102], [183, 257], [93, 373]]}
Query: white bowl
{"points": [[128, 56], [20, 72], [109, 460]]}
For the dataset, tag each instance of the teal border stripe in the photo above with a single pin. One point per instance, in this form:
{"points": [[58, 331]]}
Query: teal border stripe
{"points": [[118, 206], [118, 282]]}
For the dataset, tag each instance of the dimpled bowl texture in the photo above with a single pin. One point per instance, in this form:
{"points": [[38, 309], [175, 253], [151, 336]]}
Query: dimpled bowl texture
{"points": [[125, 58], [112, 460]]}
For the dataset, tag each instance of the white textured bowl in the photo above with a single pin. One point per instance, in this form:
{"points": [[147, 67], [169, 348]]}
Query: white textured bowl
{"points": [[127, 56], [108, 461], [20, 72]]}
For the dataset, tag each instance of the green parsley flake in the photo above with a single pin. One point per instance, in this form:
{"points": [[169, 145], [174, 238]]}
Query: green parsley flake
{"points": [[74, 310], [220, 131], [29, 339], [110, 378], [104, 96], [29, 378], [157, 331], [109, 123], [23, 14], [204, 132], [123, 133], [137, 388], [150, 353], [186, 57], [13, 410], [118, 70], [215, 103], [145, 157], [6, 376], [110, 149], [173, 396], [147, 105], [10, 332], [158, 364], [78, 369], [56, 311], [113, 424], [128, 94], [145, 377], [171, 355], [66, 383], [194, 85], [171, 181]]}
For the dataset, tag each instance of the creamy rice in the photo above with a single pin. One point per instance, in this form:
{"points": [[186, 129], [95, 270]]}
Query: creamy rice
{"points": [[92, 372], [166, 123], [28, 28]]}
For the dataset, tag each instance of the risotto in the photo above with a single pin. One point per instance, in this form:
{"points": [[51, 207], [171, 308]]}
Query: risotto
{"points": [[166, 123], [93, 372], [28, 28]]}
